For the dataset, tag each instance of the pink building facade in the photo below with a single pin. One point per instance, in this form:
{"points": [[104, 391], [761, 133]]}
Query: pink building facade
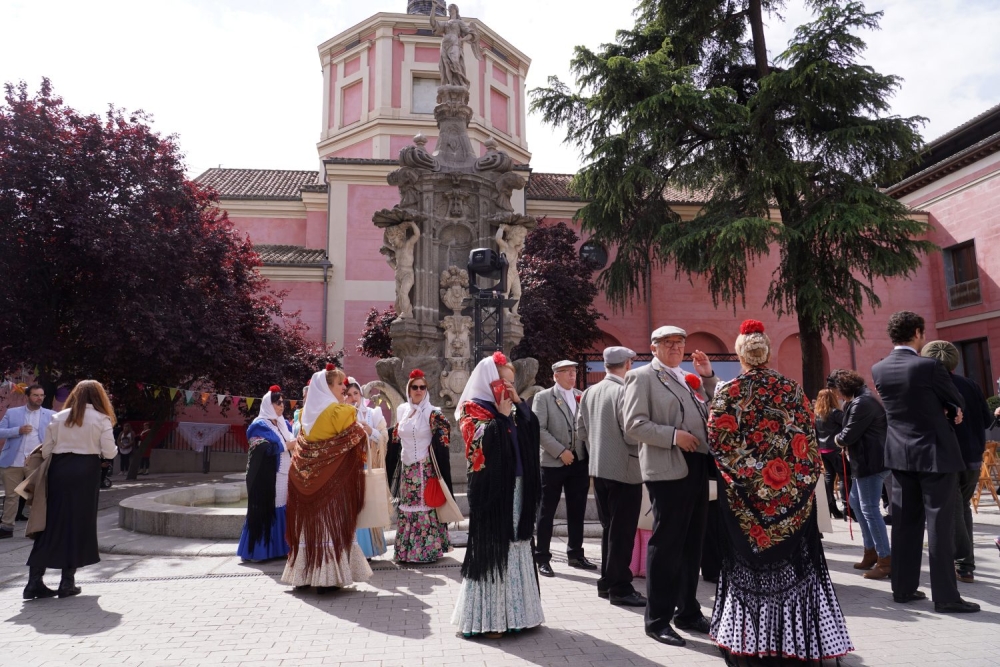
{"points": [[315, 234]]}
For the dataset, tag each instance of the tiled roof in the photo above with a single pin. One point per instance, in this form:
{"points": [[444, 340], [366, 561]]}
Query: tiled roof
{"points": [[361, 160], [284, 255], [555, 187], [273, 184]]}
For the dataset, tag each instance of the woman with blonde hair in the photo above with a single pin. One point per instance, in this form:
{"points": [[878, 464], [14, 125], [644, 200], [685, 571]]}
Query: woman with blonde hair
{"points": [[326, 490], [76, 440]]}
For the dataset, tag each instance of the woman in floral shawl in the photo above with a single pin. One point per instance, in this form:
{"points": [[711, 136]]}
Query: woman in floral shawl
{"points": [[326, 490], [499, 583], [775, 598]]}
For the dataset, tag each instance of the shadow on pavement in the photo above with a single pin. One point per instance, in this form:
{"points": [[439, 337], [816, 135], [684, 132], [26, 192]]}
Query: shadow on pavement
{"points": [[52, 616]]}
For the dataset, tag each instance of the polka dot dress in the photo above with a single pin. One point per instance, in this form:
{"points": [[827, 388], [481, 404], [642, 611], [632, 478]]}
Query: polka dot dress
{"points": [[784, 609]]}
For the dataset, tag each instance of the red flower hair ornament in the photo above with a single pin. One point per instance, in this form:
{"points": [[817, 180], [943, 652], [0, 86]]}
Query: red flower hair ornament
{"points": [[416, 374], [751, 327], [330, 367], [499, 358], [274, 389]]}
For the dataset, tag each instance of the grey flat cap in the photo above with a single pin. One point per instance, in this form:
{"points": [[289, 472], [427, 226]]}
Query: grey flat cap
{"points": [[617, 355], [565, 363], [663, 332]]}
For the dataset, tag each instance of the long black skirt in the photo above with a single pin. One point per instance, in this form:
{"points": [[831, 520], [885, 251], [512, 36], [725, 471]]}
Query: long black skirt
{"points": [[70, 535]]}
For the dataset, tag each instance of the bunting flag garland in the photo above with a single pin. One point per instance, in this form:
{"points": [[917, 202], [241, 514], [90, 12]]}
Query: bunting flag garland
{"points": [[220, 398], [156, 393], [190, 396], [249, 402], [173, 392]]}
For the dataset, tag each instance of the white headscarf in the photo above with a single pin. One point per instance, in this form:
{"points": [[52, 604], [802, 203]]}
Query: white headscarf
{"points": [[478, 386], [409, 411], [319, 399], [267, 413]]}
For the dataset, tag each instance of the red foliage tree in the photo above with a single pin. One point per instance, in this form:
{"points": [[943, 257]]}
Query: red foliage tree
{"points": [[557, 299], [119, 268], [376, 341]]}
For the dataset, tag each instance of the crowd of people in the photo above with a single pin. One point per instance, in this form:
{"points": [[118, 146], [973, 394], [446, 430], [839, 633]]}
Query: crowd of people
{"points": [[741, 473]]}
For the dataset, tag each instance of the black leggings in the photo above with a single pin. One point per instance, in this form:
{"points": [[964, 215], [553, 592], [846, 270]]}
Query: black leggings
{"points": [[833, 464]]}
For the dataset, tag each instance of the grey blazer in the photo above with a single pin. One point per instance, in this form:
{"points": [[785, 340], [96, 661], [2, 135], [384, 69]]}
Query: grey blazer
{"points": [[601, 431], [558, 427], [654, 409]]}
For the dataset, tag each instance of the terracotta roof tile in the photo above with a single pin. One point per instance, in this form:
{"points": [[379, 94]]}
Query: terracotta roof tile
{"points": [[284, 255], [274, 184]]}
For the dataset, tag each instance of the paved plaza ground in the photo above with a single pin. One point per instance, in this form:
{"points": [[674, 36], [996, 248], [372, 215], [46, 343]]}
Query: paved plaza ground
{"points": [[209, 610]]}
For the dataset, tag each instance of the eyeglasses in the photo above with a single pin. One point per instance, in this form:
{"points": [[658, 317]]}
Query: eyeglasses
{"points": [[418, 387], [670, 343]]}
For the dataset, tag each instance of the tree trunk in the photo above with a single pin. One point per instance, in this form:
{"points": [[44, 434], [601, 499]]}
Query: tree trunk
{"points": [[759, 42], [813, 374]]}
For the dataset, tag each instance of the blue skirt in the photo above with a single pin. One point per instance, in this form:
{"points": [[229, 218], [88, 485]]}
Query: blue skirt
{"points": [[371, 541], [278, 548]]}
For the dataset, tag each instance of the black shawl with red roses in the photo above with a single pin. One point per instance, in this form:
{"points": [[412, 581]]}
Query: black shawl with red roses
{"points": [[761, 432]]}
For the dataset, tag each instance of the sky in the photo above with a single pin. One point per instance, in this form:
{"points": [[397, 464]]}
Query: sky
{"points": [[240, 84]]}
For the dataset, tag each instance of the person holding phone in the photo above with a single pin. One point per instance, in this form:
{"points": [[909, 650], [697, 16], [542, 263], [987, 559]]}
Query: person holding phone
{"points": [[564, 467]]}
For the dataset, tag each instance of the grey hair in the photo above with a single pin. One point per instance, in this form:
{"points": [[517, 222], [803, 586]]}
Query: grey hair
{"points": [[754, 349]]}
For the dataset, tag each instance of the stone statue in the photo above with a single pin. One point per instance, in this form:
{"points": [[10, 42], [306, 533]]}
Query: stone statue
{"points": [[455, 33], [510, 241], [417, 155], [494, 160], [454, 288], [398, 249]]}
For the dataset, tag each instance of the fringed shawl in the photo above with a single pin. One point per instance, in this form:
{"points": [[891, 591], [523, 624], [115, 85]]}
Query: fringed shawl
{"points": [[326, 490], [489, 449], [262, 472], [760, 430]]}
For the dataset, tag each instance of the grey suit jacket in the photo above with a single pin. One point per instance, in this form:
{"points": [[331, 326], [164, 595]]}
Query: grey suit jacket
{"points": [[601, 431], [653, 410], [558, 427]]}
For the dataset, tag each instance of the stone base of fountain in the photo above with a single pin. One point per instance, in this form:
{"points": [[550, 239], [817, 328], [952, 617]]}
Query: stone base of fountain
{"points": [[206, 511]]}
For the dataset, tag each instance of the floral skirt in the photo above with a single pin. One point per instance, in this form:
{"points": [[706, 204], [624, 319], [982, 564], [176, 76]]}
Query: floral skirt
{"points": [[510, 602], [420, 537], [348, 568]]}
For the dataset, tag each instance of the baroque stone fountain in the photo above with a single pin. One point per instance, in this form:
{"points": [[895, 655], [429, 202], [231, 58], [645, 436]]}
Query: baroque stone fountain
{"points": [[451, 202]]}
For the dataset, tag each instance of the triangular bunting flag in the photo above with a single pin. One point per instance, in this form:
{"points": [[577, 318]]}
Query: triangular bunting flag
{"points": [[156, 392], [204, 398], [249, 402], [173, 393], [188, 396], [220, 398], [292, 404], [236, 401]]}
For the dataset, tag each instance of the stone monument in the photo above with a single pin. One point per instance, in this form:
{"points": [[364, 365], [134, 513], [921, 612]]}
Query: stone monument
{"points": [[451, 202]]}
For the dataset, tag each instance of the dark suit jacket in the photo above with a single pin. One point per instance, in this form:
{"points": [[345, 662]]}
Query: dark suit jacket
{"points": [[971, 432], [864, 435], [917, 392]]}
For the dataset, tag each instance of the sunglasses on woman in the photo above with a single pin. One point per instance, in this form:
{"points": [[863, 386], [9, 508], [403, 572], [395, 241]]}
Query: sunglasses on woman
{"points": [[418, 387]]}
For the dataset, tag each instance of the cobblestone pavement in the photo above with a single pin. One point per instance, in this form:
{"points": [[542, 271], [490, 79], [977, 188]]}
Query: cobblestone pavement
{"points": [[150, 611]]}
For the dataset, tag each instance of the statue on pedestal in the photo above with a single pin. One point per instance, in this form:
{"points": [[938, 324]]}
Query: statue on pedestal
{"points": [[510, 241], [455, 33], [398, 249]]}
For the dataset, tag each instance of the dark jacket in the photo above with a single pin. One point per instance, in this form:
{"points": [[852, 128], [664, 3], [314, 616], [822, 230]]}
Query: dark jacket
{"points": [[827, 429], [976, 419], [864, 435], [920, 400]]}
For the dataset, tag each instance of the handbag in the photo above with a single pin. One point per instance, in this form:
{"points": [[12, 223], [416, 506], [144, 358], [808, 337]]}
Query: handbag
{"points": [[448, 512], [375, 512], [433, 495]]}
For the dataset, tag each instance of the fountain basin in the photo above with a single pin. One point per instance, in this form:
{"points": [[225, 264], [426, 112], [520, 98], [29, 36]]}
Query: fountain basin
{"points": [[206, 511]]}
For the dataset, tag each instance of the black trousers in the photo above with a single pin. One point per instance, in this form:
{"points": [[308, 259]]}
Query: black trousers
{"points": [[575, 480], [918, 497], [673, 557], [618, 506], [833, 464], [965, 558]]}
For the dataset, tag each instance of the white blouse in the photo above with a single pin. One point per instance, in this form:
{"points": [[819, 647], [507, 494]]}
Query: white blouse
{"points": [[415, 437], [93, 436]]}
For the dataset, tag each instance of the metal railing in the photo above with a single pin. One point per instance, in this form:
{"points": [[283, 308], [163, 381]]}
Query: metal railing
{"points": [[964, 294], [593, 362]]}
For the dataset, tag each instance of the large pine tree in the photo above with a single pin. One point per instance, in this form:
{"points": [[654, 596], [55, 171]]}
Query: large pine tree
{"points": [[689, 98]]}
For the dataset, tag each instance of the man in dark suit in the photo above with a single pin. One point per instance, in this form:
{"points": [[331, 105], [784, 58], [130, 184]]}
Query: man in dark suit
{"points": [[922, 451]]}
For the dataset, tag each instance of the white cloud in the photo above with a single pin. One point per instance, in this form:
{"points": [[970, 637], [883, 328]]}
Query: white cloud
{"points": [[239, 80]]}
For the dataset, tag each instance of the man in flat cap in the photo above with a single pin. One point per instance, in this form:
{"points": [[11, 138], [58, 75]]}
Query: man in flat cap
{"points": [[564, 467], [665, 410], [614, 465]]}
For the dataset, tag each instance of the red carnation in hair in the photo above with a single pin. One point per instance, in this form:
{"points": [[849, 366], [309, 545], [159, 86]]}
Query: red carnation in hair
{"points": [[331, 367], [274, 389], [416, 374], [693, 381], [751, 326], [499, 359]]}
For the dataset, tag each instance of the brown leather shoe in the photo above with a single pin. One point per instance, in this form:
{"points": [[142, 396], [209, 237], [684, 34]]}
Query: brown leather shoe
{"points": [[868, 561], [882, 569]]}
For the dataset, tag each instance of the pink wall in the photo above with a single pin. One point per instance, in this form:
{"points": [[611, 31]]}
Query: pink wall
{"points": [[499, 108], [355, 313], [362, 149], [351, 103], [273, 231], [352, 66], [425, 54], [316, 224], [499, 74], [306, 298], [372, 73], [363, 238], [398, 143], [398, 53]]}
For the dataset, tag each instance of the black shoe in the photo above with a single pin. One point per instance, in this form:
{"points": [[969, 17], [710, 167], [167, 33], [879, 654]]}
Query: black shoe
{"points": [[700, 624], [633, 599], [888, 519], [903, 598], [36, 588], [68, 587], [20, 517], [667, 636], [604, 595], [6, 533], [960, 607], [323, 590], [581, 563], [545, 569]]}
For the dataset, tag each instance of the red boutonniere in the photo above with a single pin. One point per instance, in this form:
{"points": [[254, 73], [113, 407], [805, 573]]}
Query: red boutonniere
{"points": [[578, 397], [693, 381]]}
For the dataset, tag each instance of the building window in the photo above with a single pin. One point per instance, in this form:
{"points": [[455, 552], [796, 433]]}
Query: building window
{"points": [[424, 94], [962, 275], [595, 253], [975, 363]]}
